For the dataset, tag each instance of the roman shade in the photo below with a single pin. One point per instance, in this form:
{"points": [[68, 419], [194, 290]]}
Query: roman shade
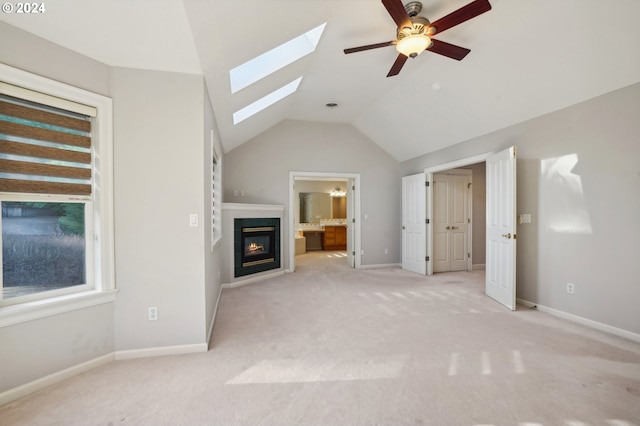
{"points": [[44, 148]]}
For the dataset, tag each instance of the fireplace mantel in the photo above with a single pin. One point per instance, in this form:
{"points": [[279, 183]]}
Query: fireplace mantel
{"points": [[253, 207], [232, 211]]}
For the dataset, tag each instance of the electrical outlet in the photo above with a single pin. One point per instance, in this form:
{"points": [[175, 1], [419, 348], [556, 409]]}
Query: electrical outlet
{"points": [[153, 313], [570, 288]]}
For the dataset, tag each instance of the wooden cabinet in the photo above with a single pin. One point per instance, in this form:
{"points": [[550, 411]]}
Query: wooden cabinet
{"points": [[335, 237]]}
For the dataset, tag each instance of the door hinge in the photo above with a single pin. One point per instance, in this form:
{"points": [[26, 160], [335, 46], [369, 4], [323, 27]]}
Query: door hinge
{"points": [[353, 187], [468, 255], [353, 220], [469, 220], [426, 258], [426, 221], [426, 183], [353, 253], [515, 149], [469, 185]]}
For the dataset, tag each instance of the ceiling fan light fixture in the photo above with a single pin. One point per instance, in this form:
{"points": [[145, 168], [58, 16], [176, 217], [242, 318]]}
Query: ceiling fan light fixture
{"points": [[413, 45]]}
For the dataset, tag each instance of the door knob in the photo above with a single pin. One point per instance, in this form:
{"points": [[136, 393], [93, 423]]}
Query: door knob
{"points": [[454, 227], [507, 235], [403, 227], [447, 228]]}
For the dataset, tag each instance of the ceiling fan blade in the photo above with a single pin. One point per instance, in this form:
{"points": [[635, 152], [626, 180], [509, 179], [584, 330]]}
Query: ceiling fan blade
{"points": [[369, 47], [397, 12], [449, 50], [461, 15], [397, 65]]}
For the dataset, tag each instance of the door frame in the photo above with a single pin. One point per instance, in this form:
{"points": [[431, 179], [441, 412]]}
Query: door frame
{"points": [[354, 227], [429, 172]]}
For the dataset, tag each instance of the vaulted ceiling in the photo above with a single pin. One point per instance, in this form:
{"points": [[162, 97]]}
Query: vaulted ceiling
{"points": [[528, 58]]}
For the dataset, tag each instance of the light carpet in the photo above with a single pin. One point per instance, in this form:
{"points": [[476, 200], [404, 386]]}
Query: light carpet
{"points": [[330, 345]]}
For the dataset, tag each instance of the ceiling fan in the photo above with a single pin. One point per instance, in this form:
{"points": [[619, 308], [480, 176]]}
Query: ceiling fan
{"points": [[414, 32]]}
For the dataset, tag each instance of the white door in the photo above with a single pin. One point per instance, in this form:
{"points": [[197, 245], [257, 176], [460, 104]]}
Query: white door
{"points": [[450, 222], [501, 228], [351, 259], [414, 228]]}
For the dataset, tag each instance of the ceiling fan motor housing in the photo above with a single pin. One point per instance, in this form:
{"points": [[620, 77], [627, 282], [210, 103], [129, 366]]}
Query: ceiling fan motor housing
{"points": [[413, 8]]}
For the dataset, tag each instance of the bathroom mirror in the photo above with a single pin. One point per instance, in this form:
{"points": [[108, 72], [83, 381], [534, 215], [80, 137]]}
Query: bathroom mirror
{"points": [[320, 205], [314, 206]]}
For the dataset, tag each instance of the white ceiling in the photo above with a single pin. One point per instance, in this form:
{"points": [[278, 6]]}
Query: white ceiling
{"points": [[528, 58]]}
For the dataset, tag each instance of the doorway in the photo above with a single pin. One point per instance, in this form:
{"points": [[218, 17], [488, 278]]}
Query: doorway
{"points": [[500, 283], [347, 182]]}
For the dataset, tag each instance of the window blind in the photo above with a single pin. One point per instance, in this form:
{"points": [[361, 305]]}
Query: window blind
{"points": [[43, 149]]}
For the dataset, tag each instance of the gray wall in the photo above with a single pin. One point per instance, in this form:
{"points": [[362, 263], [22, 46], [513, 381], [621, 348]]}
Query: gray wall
{"points": [[479, 218], [212, 255], [158, 183], [576, 167], [261, 168]]}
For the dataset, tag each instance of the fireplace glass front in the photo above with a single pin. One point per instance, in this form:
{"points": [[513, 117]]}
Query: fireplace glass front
{"points": [[257, 245]]}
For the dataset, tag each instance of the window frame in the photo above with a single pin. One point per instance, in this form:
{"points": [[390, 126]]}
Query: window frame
{"points": [[99, 211]]}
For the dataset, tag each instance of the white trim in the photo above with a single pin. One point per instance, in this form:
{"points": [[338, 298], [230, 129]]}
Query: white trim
{"points": [[52, 379], [382, 265], [162, 351], [583, 321], [253, 279], [41, 98], [357, 228], [459, 163], [29, 311], [241, 206], [429, 172], [213, 318]]}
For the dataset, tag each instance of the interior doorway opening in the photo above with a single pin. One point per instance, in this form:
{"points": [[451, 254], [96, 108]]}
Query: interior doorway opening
{"points": [[459, 219], [323, 208], [476, 242]]}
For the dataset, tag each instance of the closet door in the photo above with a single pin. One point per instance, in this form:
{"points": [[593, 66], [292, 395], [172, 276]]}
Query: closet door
{"points": [[451, 217]]}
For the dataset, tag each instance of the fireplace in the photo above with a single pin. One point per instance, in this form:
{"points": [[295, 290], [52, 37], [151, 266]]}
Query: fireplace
{"points": [[256, 245]]}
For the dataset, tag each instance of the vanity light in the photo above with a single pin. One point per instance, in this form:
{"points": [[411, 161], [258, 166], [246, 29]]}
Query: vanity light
{"points": [[337, 193]]}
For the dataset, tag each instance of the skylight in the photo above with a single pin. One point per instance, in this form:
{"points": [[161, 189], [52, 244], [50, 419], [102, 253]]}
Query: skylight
{"points": [[266, 101], [275, 59]]}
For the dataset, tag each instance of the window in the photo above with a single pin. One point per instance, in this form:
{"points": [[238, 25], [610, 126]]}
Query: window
{"points": [[216, 193], [55, 192], [268, 63], [275, 59]]}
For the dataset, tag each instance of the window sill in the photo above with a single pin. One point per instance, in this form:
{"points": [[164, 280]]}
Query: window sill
{"points": [[16, 314]]}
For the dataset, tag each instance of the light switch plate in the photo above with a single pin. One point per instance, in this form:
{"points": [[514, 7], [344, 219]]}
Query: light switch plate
{"points": [[193, 220], [525, 218]]}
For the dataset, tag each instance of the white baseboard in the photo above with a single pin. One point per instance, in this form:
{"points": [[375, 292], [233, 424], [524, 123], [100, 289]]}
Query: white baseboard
{"points": [[252, 280], [213, 319], [162, 351], [581, 320], [478, 267], [382, 265], [52, 379]]}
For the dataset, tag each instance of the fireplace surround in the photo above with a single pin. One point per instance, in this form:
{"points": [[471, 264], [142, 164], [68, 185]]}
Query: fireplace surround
{"points": [[256, 245], [256, 272]]}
